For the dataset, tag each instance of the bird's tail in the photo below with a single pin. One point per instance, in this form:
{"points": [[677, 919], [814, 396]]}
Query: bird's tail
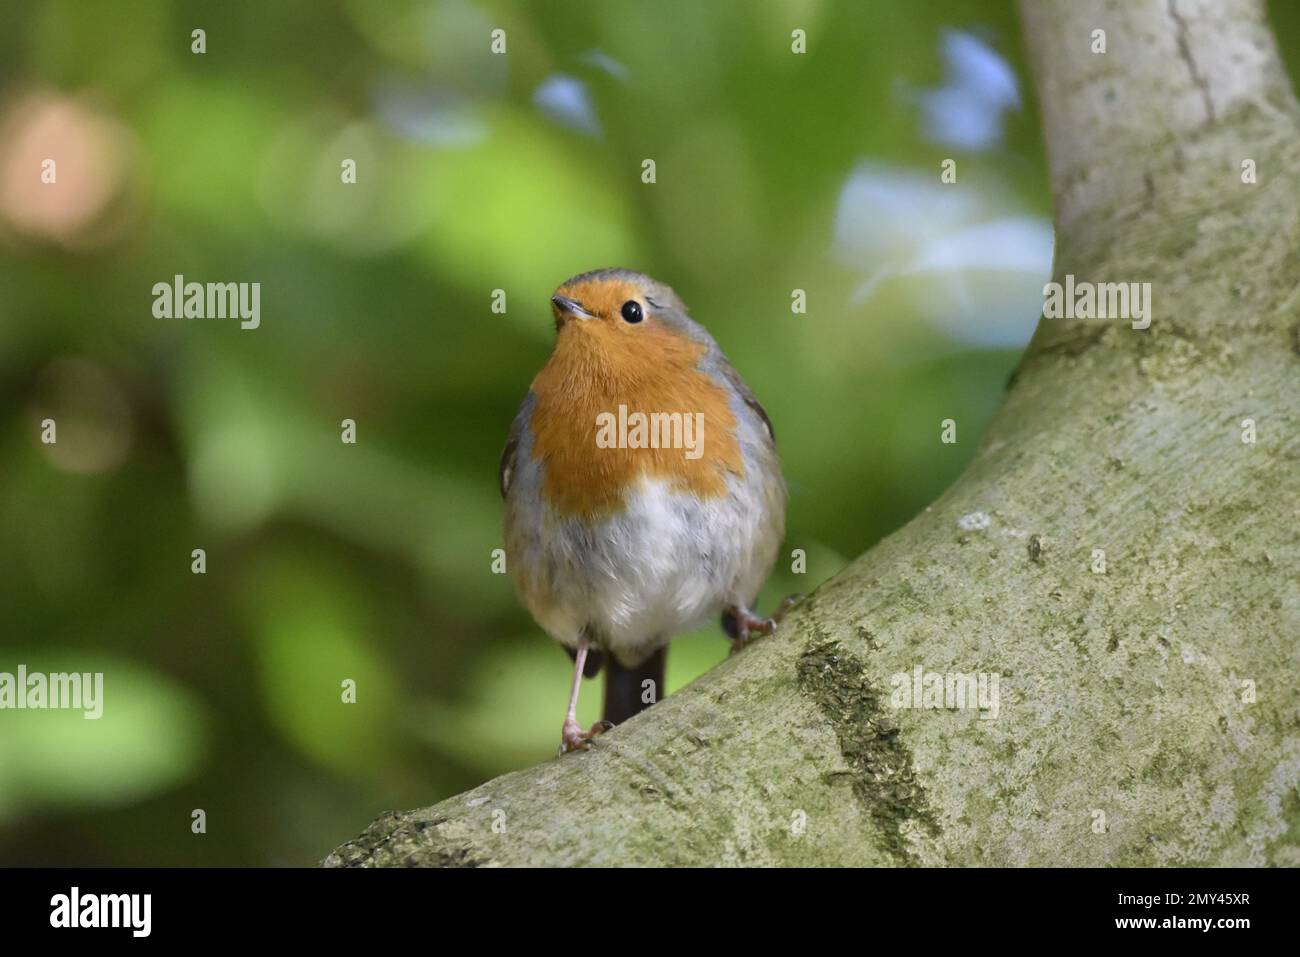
{"points": [[626, 689]]}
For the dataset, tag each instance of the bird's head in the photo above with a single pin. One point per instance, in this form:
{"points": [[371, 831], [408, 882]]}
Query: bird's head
{"points": [[617, 305]]}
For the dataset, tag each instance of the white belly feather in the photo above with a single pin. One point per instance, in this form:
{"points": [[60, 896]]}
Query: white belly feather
{"points": [[668, 563]]}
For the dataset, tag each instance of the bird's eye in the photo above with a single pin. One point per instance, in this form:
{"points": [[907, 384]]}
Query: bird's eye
{"points": [[632, 311]]}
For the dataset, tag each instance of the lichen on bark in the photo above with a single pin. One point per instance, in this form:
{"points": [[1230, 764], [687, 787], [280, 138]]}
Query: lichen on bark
{"points": [[883, 777]]}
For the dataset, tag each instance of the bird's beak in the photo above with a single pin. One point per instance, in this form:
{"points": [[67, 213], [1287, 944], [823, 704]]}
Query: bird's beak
{"points": [[566, 309]]}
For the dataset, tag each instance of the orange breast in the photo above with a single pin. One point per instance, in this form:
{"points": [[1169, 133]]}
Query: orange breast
{"points": [[598, 366]]}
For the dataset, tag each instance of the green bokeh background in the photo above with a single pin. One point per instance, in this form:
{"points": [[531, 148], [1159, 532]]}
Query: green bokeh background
{"points": [[372, 561]]}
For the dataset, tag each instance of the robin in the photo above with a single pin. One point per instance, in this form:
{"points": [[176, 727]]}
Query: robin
{"points": [[643, 494]]}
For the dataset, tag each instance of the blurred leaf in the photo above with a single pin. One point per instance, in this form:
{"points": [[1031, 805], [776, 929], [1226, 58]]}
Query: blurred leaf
{"points": [[310, 632], [149, 737], [214, 134]]}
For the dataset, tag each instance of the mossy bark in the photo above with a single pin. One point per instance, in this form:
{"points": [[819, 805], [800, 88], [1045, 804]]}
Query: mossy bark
{"points": [[1149, 712]]}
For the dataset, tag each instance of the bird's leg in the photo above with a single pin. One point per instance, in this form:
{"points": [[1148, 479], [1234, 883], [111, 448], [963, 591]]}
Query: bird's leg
{"points": [[743, 625], [573, 738]]}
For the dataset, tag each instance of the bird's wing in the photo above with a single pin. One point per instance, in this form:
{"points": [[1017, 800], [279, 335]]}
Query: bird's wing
{"points": [[747, 395], [507, 466], [507, 462]]}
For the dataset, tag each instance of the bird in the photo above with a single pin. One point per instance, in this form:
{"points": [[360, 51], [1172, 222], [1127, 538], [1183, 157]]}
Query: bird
{"points": [[643, 494]]}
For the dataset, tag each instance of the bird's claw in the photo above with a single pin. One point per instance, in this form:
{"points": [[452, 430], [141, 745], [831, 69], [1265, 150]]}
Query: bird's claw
{"points": [[788, 602], [573, 738], [749, 626], [748, 631]]}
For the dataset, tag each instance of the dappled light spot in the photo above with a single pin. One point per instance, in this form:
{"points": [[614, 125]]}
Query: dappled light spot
{"points": [[91, 413], [63, 171], [566, 100], [967, 265], [979, 87]]}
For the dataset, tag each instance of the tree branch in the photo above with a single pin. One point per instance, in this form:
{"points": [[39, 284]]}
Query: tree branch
{"points": [[1128, 732], [1142, 117]]}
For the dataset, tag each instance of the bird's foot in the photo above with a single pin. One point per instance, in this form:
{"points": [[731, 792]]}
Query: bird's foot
{"points": [[744, 626], [573, 738], [748, 626], [788, 602]]}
